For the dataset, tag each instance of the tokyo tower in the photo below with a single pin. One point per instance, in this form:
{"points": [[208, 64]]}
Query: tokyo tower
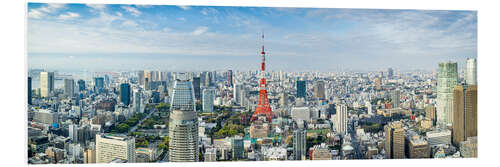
{"points": [[263, 108]]}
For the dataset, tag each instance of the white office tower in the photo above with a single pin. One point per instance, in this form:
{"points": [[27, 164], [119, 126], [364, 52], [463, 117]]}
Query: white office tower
{"points": [[182, 94], [46, 83], [471, 72], [73, 132], [299, 141], [341, 122], [110, 147], [369, 107], [183, 126], [208, 99], [69, 87], [137, 101], [237, 93], [395, 98], [447, 80]]}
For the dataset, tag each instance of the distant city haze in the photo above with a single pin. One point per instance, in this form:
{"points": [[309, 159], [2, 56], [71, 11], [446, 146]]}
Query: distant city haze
{"points": [[69, 37]]}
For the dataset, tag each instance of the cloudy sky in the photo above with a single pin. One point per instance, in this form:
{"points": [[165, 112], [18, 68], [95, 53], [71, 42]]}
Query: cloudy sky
{"points": [[191, 38]]}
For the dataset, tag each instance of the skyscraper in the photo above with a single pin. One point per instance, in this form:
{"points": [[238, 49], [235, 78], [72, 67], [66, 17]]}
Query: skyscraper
{"points": [[464, 113], [197, 88], [183, 125], [299, 141], [341, 121], [81, 85], [447, 80], [237, 92], [140, 77], [206, 78], [229, 78], [390, 73], [137, 101], [237, 149], [110, 147], [378, 83], [125, 93], [394, 140], [301, 89], [319, 89], [208, 99], [29, 90], [395, 97], [69, 87], [471, 72], [46, 83], [98, 84]]}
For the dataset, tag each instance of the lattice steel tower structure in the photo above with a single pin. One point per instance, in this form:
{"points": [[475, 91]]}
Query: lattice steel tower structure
{"points": [[263, 108]]}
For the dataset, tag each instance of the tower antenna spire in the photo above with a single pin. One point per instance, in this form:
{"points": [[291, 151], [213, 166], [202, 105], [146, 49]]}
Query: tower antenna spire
{"points": [[263, 107]]}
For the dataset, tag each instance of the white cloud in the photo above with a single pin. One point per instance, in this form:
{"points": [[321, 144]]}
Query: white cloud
{"points": [[166, 29], [209, 11], [37, 13], [97, 7], [69, 16], [129, 23], [181, 19], [199, 30], [144, 6], [119, 14], [133, 11], [184, 7]]}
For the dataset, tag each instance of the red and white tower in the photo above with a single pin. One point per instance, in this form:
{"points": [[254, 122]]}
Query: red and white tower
{"points": [[263, 108]]}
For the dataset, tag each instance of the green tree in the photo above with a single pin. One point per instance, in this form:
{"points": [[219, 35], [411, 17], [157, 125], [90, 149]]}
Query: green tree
{"points": [[122, 128]]}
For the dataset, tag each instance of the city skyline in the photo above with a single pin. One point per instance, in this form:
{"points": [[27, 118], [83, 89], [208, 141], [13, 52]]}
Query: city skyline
{"points": [[119, 37], [126, 85]]}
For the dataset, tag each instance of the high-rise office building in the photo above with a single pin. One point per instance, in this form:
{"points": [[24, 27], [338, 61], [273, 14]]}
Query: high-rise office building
{"points": [[81, 85], [301, 89], [418, 148], [464, 113], [206, 79], [197, 88], [110, 147], [341, 121], [471, 72], [46, 83], [237, 149], [29, 90], [237, 93], [73, 132], [394, 141], [430, 112], [140, 77], [390, 73], [125, 93], [69, 87], [98, 84], [208, 99], [299, 141], [182, 94], [183, 125], [283, 99], [378, 83], [395, 98], [229, 78], [319, 89], [447, 80], [137, 101]]}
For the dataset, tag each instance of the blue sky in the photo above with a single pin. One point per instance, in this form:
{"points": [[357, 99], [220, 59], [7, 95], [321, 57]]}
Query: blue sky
{"points": [[191, 38]]}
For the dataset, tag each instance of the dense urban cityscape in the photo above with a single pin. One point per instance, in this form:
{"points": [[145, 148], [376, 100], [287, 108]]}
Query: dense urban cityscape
{"points": [[160, 116], [157, 116]]}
